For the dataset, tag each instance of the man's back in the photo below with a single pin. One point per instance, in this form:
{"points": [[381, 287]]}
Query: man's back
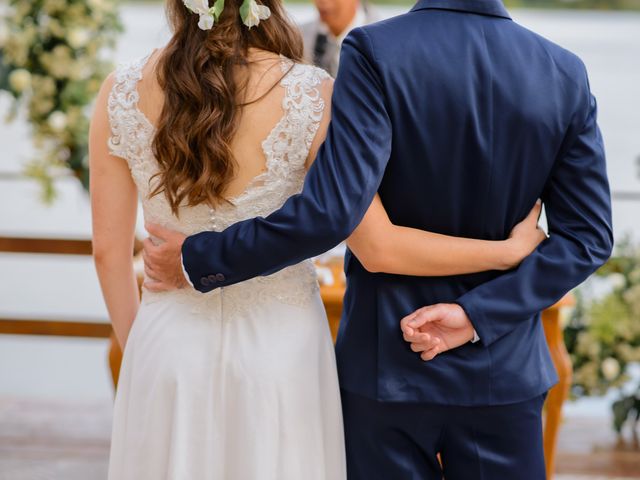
{"points": [[461, 120], [482, 111]]}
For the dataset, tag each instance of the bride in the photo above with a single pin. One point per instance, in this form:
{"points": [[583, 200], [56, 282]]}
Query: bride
{"points": [[218, 126]]}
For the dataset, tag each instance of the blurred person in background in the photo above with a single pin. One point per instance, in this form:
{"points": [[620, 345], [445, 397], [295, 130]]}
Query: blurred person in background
{"points": [[323, 36]]}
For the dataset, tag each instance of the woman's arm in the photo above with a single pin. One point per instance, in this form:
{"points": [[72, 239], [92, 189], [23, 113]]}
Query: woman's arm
{"points": [[113, 205], [382, 246]]}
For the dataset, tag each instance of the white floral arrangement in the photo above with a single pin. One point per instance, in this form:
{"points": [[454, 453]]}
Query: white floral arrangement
{"points": [[603, 337], [250, 12], [52, 62]]}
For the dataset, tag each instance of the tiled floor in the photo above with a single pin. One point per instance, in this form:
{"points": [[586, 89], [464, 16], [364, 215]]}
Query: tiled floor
{"points": [[53, 441], [65, 441]]}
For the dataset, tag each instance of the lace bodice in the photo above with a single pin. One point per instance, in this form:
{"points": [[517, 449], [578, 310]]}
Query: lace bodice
{"points": [[286, 150]]}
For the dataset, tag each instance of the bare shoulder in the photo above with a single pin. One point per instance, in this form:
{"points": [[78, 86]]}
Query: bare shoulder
{"points": [[102, 98], [316, 77]]}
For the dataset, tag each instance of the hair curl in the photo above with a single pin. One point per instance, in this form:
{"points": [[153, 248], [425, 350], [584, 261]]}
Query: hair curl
{"points": [[197, 72]]}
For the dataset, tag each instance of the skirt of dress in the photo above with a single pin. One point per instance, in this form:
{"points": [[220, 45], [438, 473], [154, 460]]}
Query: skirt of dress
{"points": [[228, 394]]}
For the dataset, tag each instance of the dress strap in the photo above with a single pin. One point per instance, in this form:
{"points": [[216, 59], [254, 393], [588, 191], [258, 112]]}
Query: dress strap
{"points": [[125, 119], [303, 106]]}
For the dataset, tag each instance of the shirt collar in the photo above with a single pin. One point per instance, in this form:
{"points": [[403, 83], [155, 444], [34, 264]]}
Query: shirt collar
{"points": [[484, 7]]}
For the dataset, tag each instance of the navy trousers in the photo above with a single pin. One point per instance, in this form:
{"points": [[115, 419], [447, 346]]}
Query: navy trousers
{"points": [[400, 441]]}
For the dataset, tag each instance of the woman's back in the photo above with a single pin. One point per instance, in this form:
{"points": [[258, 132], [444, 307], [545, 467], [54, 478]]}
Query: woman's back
{"points": [[240, 382], [271, 146]]}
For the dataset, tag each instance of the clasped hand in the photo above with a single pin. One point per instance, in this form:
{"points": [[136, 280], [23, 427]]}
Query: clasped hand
{"points": [[437, 328], [163, 263]]}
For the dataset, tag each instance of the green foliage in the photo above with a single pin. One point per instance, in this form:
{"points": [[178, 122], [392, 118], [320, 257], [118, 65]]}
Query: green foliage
{"points": [[603, 336], [52, 62]]}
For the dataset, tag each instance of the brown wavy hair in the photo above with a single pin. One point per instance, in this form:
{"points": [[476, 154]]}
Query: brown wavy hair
{"points": [[197, 72]]}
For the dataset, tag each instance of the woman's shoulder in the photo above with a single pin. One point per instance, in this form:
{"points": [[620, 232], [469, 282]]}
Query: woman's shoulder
{"points": [[312, 72], [308, 79], [135, 66], [128, 73]]}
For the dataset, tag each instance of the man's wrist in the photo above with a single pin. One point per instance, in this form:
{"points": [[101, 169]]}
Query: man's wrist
{"points": [[184, 271], [475, 338]]}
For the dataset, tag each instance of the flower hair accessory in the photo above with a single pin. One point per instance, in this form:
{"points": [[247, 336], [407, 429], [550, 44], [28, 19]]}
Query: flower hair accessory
{"points": [[250, 12]]}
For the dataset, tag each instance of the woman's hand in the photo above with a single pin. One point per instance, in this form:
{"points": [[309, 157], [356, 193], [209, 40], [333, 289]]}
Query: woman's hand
{"points": [[524, 238]]}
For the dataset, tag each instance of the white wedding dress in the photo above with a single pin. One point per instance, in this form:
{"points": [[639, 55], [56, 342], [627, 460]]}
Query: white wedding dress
{"points": [[239, 383]]}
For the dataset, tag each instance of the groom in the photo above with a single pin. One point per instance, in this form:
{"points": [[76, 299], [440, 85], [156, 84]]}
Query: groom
{"points": [[461, 119]]}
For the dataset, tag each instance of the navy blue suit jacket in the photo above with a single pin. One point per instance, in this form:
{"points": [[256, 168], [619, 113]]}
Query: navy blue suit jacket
{"points": [[461, 119]]}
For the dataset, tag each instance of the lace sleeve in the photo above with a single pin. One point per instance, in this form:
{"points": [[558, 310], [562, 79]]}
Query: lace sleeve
{"points": [[116, 108], [304, 107], [125, 119]]}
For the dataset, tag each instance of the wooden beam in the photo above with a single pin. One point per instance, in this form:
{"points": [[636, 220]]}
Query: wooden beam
{"points": [[45, 245], [61, 246], [16, 326]]}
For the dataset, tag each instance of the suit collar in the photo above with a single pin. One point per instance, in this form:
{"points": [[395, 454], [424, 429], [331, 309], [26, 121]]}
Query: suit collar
{"points": [[483, 7]]}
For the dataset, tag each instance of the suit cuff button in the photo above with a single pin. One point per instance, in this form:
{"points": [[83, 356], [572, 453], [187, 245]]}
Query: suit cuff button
{"points": [[204, 281], [220, 277]]}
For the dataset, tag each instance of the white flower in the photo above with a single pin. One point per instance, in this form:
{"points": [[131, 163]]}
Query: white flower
{"points": [[617, 280], [78, 37], [610, 368], [206, 21], [20, 80], [252, 13], [57, 121], [201, 7]]}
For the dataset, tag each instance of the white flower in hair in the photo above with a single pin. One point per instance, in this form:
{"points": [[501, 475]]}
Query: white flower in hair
{"points": [[252, 13], [207, 14]]}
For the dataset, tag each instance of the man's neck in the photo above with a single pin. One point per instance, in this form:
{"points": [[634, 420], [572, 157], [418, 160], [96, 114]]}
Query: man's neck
{"points": [[338, 28]]}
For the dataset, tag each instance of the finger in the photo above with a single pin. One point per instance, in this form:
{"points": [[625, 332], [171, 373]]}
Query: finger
{"points": [[150, 273], [430, 354], [428, 315], [421, 347], [425, 346], [418, 337], [410, 337], [422, 341], [407, 331], [149, 247], [406, 320], [145, 257], [406, 324], [150, 258], [157, 230]]}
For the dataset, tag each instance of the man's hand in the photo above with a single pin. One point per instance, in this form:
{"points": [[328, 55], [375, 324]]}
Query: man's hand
{"points": [[163, 263], [436, 329]]}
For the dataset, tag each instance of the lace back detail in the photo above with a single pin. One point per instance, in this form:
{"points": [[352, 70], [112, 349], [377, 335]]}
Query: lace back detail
{"points": [[303, 106], [130, 129], [285, 149]]}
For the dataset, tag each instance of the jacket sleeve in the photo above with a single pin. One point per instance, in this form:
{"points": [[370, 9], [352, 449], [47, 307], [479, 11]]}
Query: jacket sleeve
{"points": [[337, 192], [578, 207]]}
